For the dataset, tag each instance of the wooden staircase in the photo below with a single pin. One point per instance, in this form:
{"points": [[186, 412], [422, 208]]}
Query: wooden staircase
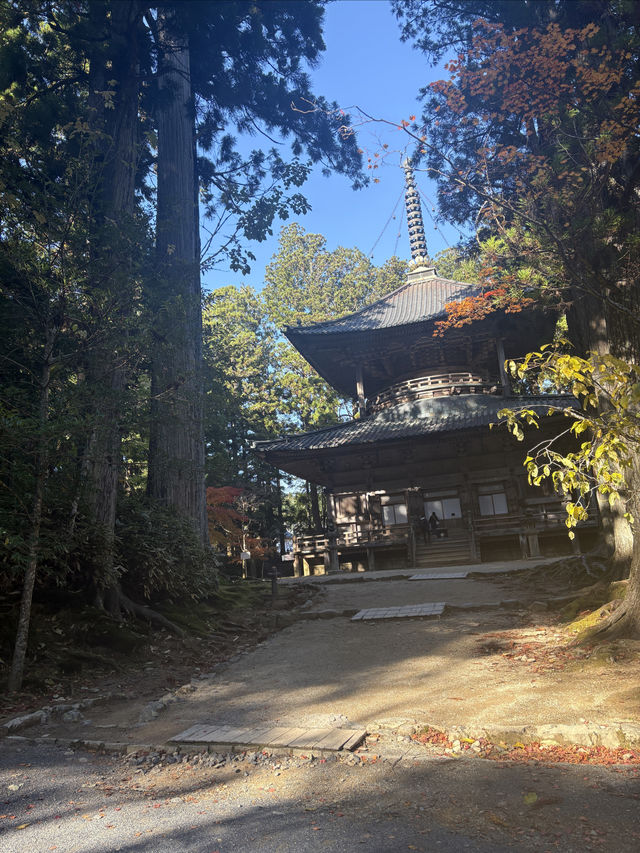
{"points": [[452, 550]]}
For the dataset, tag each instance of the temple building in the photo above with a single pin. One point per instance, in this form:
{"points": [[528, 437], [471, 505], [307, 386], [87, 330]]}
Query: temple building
{"points": [[421, 447]]}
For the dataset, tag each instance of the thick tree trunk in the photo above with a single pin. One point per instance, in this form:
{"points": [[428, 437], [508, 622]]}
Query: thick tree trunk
{"points": [[111, 268], [281, 527], [176, 450], [315, 508], [590, 331], [33, 547], [632, 600], [625, 619]]}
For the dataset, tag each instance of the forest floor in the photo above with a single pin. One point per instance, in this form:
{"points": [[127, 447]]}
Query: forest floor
{"points": [[480, 667]]}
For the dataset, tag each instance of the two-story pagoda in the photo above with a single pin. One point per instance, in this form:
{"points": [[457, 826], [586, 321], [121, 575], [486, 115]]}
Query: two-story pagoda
{"points": [[423, 442]]}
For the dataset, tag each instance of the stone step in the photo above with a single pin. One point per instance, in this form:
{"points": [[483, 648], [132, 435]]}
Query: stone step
{"points": [[436, 560], [405, 611], [267, 736]]}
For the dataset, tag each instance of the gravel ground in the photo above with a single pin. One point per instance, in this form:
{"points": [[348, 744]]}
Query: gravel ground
{"points": [[76, 802]]}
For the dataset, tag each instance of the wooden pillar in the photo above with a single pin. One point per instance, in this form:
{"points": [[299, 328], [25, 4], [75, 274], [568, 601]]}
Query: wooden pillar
{"points": [[504, 376], [534, 544], [524, 548], [360, 391], [371, 559], [471, 502], [411, 547], [331, 559]]}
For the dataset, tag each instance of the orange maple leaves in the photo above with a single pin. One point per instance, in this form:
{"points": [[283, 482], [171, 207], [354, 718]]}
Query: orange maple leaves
{"points": [[540, 77], [473, 308]]}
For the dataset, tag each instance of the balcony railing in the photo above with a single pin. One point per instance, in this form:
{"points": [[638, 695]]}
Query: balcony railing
{"points": [[360, 537], [534, 520], [438, 385], [530, 521]]}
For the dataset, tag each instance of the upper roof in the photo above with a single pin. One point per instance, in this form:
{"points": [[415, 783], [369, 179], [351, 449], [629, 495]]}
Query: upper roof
{"points": [[410, 420], [422, 298]]}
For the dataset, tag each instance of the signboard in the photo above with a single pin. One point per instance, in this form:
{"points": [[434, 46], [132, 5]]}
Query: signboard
{"points": [[288, 557], [245, 555]]}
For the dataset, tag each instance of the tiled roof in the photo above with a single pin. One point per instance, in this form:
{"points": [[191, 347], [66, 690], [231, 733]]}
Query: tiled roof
{"points": [[420, 299], [418, 418]]}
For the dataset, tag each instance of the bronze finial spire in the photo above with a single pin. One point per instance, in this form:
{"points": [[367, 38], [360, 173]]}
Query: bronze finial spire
{"points": [[417, 240]]}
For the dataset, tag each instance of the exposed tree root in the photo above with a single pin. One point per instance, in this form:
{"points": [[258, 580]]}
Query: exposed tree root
{"points": [[115, 602], [150, 615], [616, 624]]}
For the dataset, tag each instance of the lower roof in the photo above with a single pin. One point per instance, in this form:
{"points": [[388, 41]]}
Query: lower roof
{"points": [[435, 415]]}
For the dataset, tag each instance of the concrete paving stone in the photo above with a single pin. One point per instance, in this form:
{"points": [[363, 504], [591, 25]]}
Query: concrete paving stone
{"points": [[309, 739], [269, 734], [334, 740], [355, 739], [257, 733], [285, 736], [438, 576], [186, 734], [404, 611]]}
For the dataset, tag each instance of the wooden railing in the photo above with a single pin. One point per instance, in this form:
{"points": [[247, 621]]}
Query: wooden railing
{"points": [[362, 537], [529, 521], [436, 385], [547, 518]]}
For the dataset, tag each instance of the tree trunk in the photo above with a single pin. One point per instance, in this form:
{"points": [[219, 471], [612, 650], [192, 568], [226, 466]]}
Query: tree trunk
{"points": [[589, 331], [176, 448], [632, 600], [315, 508], [33, 548], [281, 527], [113, 245]]}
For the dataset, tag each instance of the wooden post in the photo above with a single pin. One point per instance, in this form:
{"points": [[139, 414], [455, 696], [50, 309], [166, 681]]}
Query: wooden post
{"points": [[297, 565], [534, 544], [360, 391], [371, 559], [524, 549]]}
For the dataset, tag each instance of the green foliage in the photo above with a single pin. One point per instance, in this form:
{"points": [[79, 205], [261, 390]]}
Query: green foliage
{"points": [[604, 418], [457, 265], [159, 556], [307, 283]]}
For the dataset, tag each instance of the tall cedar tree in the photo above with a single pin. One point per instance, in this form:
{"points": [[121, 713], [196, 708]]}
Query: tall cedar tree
{"points": [[176, 446], [219, 65]]}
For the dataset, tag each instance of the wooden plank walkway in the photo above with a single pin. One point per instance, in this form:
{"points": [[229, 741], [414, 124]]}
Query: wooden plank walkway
{"points": [[266, 736], [406, 611], [438, 576]]}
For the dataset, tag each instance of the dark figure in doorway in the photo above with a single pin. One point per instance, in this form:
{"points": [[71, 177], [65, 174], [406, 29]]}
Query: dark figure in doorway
{"points": [[434, 523], [424, 527]]}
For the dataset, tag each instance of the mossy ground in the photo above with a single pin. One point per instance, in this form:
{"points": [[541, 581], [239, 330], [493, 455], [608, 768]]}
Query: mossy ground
{"points": [[70, 646]]}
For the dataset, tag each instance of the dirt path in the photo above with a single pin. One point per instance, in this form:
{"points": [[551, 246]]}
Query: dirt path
{"points": [[484, 669]]}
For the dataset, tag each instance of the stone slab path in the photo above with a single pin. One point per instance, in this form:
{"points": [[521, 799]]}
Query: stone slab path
{"points": [[335, 673], [438, 576], [409, 611], [402, 592], [269, 736]]}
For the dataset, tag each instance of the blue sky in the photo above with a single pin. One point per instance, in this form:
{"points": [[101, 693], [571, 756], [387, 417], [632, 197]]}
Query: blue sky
{"points": [[365, 65]]}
